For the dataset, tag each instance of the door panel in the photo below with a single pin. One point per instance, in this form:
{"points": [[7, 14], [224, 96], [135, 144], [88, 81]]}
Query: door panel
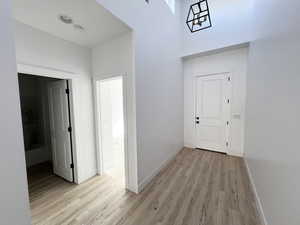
{"points": [[211, 98], [211, 112], [59, 124]]}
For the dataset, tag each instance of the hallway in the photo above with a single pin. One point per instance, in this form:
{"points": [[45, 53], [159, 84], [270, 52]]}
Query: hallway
{"points": [[198, 187]]}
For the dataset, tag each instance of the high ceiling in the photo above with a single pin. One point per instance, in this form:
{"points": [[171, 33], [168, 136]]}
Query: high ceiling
{"points": [[99, 24]]}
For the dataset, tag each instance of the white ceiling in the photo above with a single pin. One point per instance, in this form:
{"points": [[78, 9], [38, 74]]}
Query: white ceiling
{"points": [[99, 24]]}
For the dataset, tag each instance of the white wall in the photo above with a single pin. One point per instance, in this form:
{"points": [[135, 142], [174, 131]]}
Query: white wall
{"points": [[273, 109], [116, 58], [231, 25], [158, 81], [62, 59], [14, 203], [233, 62]]}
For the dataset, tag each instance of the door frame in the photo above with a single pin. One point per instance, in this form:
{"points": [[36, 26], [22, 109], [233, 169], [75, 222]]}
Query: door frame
{"points": [[42, 71], [228, 111], [97, 115]]}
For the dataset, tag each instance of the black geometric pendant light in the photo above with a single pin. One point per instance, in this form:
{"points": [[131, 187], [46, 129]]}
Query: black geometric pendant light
{"points": [[198, 17]]}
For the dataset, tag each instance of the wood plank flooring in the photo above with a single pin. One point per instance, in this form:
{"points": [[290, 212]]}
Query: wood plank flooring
{"points": [[197, 188]]}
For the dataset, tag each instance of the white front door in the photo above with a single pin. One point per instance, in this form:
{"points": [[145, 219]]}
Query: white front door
{"points": [[59, 124], [212, 112]]}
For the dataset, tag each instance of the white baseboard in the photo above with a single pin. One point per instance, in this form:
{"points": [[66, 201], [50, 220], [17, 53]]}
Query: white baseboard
{"points": [[257, 199], [149, 178], [236, 153], [189, 145]]}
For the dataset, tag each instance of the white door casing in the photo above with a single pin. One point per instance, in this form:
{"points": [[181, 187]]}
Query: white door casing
{"points": [[130, 176], [59, 124], [212, 112]]}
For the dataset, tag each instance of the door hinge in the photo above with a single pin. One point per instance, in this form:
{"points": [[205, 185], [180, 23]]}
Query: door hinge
{"points": [[229, 78], [227, 144], [227, 123], [69, 129], [72, 166], [67, 91], [228, 101]]}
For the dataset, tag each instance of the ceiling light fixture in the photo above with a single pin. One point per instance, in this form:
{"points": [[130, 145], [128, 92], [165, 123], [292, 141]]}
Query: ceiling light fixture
{"points": [[65, 19], [198, 17], [78, 27]]}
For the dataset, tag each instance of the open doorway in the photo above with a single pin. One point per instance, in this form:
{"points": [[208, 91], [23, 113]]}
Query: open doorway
{"points": [[46, 119], [111, 128]]}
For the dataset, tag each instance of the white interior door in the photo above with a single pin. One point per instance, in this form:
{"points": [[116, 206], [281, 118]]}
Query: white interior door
{"points": [[212, 112], [59, 124]]}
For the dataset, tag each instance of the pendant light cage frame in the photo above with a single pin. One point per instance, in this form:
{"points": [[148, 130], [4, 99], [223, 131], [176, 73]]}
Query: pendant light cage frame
{"points": [[199, 16]]}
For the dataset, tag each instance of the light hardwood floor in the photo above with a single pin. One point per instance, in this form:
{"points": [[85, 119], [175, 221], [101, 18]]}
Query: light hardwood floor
{"points": [[197, 188]]}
